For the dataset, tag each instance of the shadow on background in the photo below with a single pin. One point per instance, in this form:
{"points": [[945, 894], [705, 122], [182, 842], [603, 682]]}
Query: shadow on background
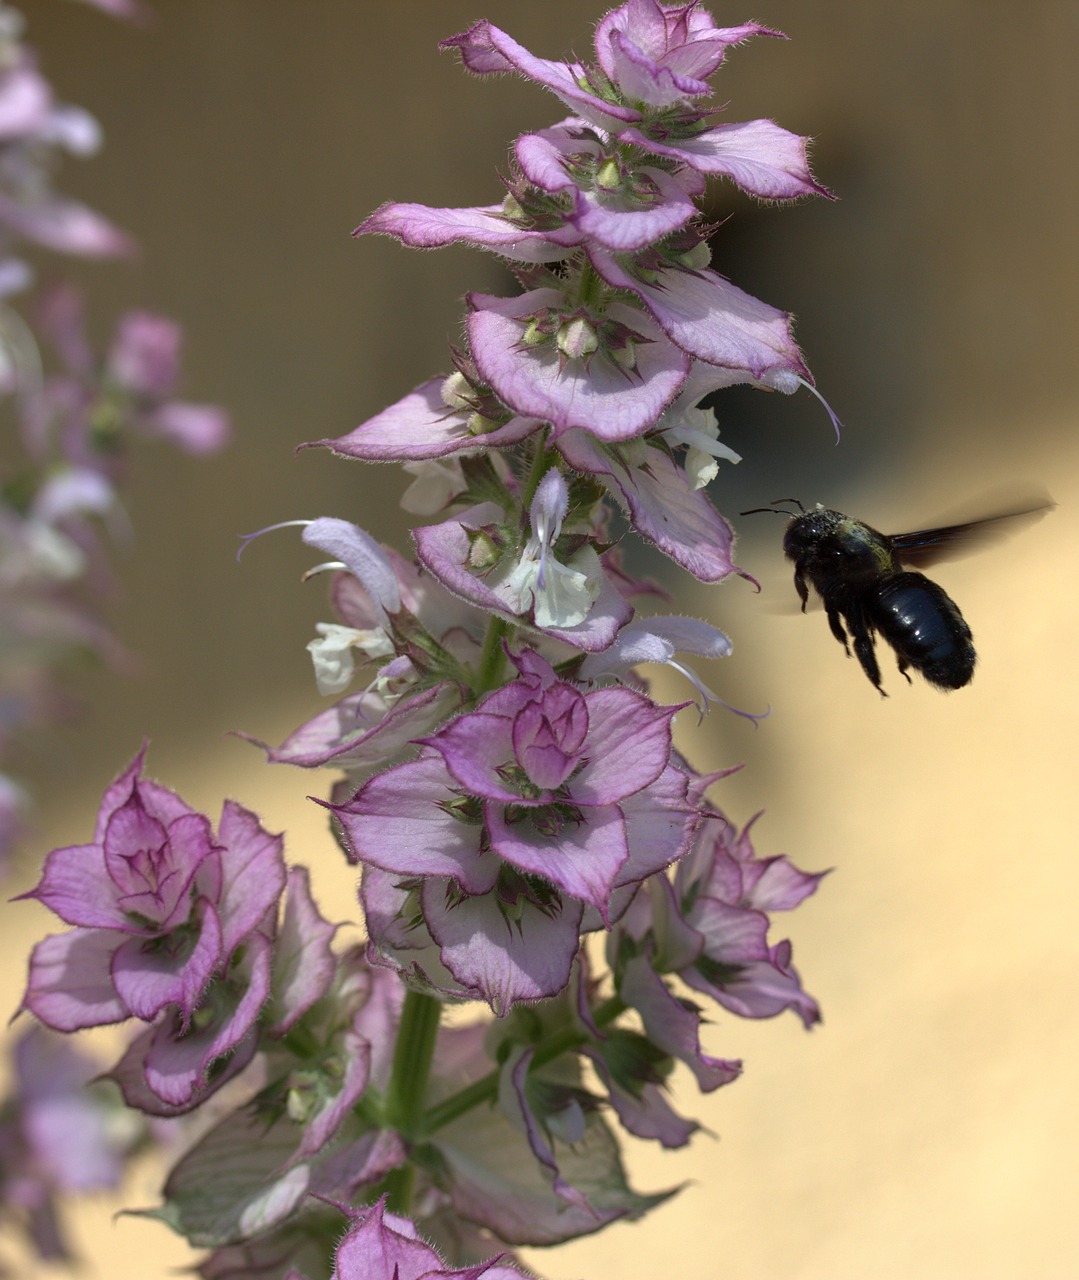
{"points": [[929, 1126]]}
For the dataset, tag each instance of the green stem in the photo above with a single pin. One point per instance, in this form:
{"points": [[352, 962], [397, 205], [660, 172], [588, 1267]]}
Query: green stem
{"points": [[590, 286], [486, 1088], [397, 1185], [541, 464], [489, 667], [412, 1058]]}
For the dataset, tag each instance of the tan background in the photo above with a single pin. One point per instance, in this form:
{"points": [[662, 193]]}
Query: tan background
{"points": [[929, 1128]]}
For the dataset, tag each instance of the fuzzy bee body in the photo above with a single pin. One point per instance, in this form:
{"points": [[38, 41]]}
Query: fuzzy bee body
{"points": [[861, 577], [866, 592], [925, 628]]}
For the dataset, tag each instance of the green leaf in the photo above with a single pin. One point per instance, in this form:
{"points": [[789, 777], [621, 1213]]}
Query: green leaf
{"points": [[492, 1177]]}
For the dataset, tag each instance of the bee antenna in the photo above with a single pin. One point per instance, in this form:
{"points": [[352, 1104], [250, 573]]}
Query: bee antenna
{"points": [[775, 508]]}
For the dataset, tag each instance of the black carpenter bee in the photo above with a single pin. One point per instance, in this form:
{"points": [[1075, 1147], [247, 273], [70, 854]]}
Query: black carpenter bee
{"points": [[858, 574]]}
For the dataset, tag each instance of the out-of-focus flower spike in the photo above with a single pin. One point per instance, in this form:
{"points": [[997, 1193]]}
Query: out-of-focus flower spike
{"points": [[20, 358], [129, 10]]}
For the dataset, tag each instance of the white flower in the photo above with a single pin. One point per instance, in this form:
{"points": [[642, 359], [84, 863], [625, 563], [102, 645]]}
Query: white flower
{"points": [[332, 657], [559, 595], [699, 429]]}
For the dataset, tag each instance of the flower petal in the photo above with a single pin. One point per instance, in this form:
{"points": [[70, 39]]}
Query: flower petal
{"points": [[529, 959], [583, 857], [610, 402], [397, 821], [177, 1066], [253, 873], [671, 1025], [664, 508], [359, 732], [758, 155], [710, 318], [362, 556], [70, 984], [485, 49], [423, 227], [629, 745], [421, 426], [304, 960], [148, 978]]}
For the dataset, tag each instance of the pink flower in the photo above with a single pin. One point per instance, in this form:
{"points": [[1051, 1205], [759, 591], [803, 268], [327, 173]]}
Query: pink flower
{"points": [[384, 1246], [652, 61], [723, 894], [517, 817], [710, 926], [167, 915]]}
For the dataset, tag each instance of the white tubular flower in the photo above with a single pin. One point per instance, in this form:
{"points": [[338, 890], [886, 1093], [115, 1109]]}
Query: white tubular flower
{"points": [[549, 508], [657, 640], [331, 654], [559, 595], [699, 429]]}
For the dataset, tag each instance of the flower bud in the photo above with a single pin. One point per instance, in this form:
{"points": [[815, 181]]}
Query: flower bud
{"points": [[697, 258], [511, 208], [577, 338], [456, 391], [623, 354], [609, 175], [483, 551], [478, 425]]}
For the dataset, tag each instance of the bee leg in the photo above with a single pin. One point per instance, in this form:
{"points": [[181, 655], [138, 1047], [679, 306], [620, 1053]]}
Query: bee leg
{"points": [[903, 669], [837, 627], [864, 650], [801, 588]]}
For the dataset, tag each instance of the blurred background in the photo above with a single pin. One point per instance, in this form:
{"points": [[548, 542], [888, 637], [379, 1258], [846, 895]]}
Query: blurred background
{"points": [[930, 1126]]}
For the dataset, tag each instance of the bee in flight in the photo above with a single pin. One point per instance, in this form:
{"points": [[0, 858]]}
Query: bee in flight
{"points": [[859, 575]]}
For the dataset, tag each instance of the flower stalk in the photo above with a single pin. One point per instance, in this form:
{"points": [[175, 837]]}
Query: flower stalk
{"points": [[505, 781], [412, 1058]]}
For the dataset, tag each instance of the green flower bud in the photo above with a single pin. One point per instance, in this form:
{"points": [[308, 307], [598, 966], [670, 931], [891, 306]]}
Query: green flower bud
{"points": [[577, 338], [609, 175], [699, 257]]}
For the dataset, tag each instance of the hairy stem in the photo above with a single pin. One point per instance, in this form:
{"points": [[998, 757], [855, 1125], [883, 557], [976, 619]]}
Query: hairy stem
{"points": [[412, 1058], [542, 460], [489, 667]]}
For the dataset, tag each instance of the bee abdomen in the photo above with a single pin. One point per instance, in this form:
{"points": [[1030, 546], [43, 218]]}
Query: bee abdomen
{"points": [[925, 628]]}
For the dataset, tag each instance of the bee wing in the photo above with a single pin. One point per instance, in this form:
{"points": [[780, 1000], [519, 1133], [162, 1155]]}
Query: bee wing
{"points": [[928, 546]]}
